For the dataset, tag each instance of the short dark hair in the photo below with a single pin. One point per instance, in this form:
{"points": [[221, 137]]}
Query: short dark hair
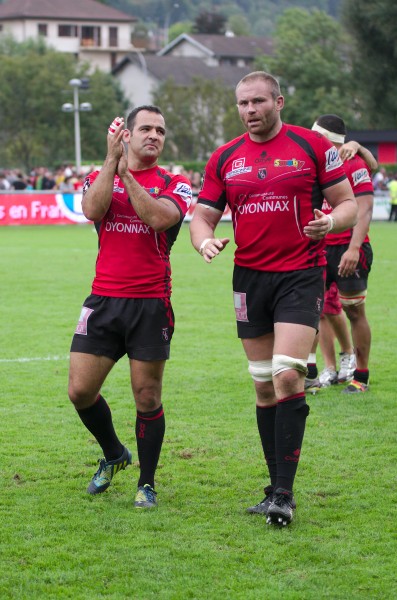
{"points": [[132, 116], [332, 123]]}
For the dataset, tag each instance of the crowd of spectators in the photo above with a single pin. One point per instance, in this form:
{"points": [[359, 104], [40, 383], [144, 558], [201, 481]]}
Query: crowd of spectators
{"points": [[65, 179]]}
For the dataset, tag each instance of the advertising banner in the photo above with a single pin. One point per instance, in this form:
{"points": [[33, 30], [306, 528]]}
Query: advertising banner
{"points": [[52, 208], [40, 208]]}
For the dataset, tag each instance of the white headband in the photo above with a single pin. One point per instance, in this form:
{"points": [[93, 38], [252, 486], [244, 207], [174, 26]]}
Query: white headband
{"points": [[338, 138]]}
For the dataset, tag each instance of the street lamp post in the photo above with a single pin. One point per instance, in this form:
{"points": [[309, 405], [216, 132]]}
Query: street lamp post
{"points": [[76, 107]]}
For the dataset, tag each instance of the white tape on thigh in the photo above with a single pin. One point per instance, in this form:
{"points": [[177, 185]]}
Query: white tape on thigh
{"points": [[353, 300], [282, 362], [260, 370]]}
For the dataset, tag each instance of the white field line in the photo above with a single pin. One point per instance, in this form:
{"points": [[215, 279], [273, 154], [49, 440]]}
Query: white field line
{"points": [[25, 359]]}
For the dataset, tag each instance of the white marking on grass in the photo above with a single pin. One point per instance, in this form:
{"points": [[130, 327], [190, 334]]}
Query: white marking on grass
{"points": [[24, 359]]}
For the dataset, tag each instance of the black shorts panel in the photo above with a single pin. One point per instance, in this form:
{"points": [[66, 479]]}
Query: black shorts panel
{"points": [[263, 298], [356, 282], [142, 328]]}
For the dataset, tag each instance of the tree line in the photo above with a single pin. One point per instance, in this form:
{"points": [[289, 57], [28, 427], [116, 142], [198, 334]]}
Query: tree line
{"points": [[324, 66]]}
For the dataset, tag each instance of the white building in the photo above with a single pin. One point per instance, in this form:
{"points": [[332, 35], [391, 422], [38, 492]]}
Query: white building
{"points": [[92, 31]]}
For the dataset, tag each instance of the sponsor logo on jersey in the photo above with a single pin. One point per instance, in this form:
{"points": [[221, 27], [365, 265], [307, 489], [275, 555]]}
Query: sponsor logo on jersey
{"points": [[119, 227], [118, 189], [86, 185], [325, 206], [263, 203], [238, 168], [292, 162], [263, 158], [262, 173], [239, 163], [361, 176], [332, 159], [154, 191], [184, 191]]}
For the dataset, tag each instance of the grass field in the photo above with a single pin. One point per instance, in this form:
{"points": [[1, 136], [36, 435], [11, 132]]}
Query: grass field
{"points": [[58, 542]]}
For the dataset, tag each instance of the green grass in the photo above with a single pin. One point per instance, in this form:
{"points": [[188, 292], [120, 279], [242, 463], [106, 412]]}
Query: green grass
{"points": [[58, 542]]}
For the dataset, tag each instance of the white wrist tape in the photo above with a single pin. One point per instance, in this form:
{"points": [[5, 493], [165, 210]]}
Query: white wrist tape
{"points": [[203, 244], [331, 222]]}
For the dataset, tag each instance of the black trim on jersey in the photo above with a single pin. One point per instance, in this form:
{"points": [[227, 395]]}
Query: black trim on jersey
{"points": [[174, 202], [167, 178], [225, 155], [221, 202], [334, 182], [303, 143], [363, 194]]}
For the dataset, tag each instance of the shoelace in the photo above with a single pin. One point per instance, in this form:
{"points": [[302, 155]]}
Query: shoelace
{"points": [[345, 361], [281, 499], [150, 494], [102, 466]]}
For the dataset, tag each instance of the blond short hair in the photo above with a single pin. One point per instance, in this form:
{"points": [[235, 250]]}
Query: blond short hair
{"points": [[262, 75]]}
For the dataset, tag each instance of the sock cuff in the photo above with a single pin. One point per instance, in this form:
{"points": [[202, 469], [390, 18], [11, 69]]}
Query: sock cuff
{"points": [[151, 415], [300, 396]]}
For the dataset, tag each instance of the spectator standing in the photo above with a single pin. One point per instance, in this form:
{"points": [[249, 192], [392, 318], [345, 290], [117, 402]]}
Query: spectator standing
{"points": [[392, 186]]}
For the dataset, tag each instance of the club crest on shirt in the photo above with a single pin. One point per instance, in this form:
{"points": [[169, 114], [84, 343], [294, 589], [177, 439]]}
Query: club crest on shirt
{"points": [[262, 173]]}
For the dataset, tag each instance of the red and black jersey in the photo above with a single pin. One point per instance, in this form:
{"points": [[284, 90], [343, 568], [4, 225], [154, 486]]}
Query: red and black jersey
{"points": [[360, 179], [133, 260], [272, 189]]}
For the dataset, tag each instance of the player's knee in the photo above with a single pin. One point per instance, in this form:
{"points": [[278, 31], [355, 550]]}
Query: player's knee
{"points": [[260, 370], [147, 397], [79, 397]]}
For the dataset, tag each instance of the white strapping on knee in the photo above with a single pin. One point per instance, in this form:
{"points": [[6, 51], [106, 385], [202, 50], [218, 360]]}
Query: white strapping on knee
{"points": [[353, 300], [282, 362], [260, 370]]}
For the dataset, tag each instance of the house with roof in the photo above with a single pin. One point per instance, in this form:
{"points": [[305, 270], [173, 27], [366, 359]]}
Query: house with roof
{"points": [[92, 31], [211, 57], [219, 50], [140, 74]]}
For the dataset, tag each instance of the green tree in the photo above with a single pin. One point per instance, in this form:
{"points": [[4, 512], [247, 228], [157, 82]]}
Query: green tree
{"points": [[239, 25], [209, 22], [178, 28], [33, 86], [196, 121], [372, 25], [312, 61]]}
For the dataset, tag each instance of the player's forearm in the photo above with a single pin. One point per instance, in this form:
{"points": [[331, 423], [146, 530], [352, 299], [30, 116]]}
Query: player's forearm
{"points": [[368, 157], [98, 197], [157, 213], [344, 216], [200, 230], [360, 231]]}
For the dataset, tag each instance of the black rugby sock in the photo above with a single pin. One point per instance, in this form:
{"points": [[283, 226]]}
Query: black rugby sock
{"points": [[149, 430], [290, 428], [98, 420], [361, 375], [265, 418]]}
